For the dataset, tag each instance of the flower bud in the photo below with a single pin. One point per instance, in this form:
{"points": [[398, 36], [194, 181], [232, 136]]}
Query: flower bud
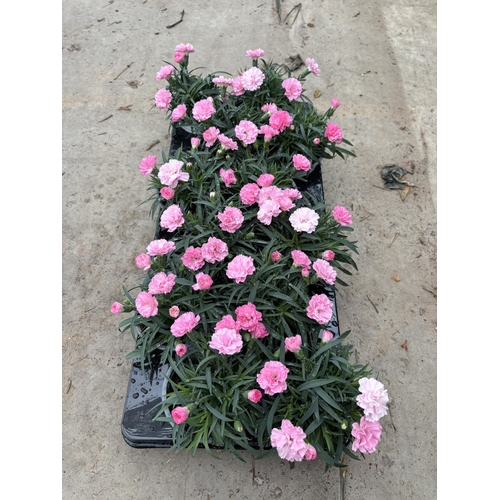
{"points": [[249, 236], [247, 337], [344, 424], [238, 426]]}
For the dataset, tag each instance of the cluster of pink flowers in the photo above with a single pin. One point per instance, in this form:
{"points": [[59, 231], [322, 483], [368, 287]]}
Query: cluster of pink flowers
{"points": [[289, 443]]}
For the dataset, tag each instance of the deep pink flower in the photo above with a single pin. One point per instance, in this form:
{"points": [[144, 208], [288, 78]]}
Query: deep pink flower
{"points": [[203, 110], [167, 192], [269, 108], [293, 344], [160, 247], [226, 341], [334, 103], [254, 395], [178, 57], [214, 250], [116, 308], [328, 255], [255, 54], [326, 336], [180, 414], [179, 112], [246, 132], [304, 219], [366, 435], [239, 268], [146, 305], [172, 218], [193, 258], [174, 311], [161, 283], [249, 193], [181, 349], [293, 88], [227, 142], [203, 282], [373, 399], [231, 219], [275, 256], [325, 271], [247, 316], [228, 176], [300, 259], [268, 131], [320, 308], [165, 72], [311, 452], [227, 321], [147, 164], [210, 136], [252, 78], [195, 142], [280, 120], [185, 48], [237, 85], [333, 133], [143, 261], [163, 98], [184, 324], [171, 173], [285, 202], [313, 67], [300, 162], [316, 140], [289, 442], [265, 180], [259, 331], [272, 378], [342, 216]]}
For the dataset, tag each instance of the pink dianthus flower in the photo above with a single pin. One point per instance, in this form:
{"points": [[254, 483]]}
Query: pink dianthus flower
{"points": [[293, 88], [254, 395], [165, 72], [313, 67], [180, 414], [293, 344], [184, 324], [195, 142], [181, 349], [185, 48], [163, 98], [227, 321], [249, 193], [246, 132], [146, 305], [193, 258], [222, 81], [172, 218], [267, 210], [342, 216], [326, 336], [247, 316], [304, 219], [174, 311], [226, 341], [325, 271], [255, 54], [334, 103], [300, 259], [272, 378], [167, 192], [228, 176], [143, 261], [280, 120], [333, 133], [268, 131], [366, 435], [239, 268], [373, 399], [311, 452], [237, 85], [300, 162], [160, 247], [210, 136], [203, 282], [161, 283], [259, 331], [231, 219], [171, 173], [179, 112], [289, 442], [116, 308], [269, 108], [275, 256], [317, 140], [147, 164], [328, 255], [265, 180], [252, 78], [178, 57], [227, 142], [320, 308], [214, 250], [203, 110]]}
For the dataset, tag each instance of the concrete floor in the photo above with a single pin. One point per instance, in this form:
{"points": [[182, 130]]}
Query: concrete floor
{"points": [[378, 58]]}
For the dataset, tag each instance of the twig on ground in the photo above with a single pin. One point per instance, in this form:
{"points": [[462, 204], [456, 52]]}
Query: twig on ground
{"points": [[152, 144], [179, 21], [370, 300], [395, 236], [107, 118], [430, 291], [128, 66]]}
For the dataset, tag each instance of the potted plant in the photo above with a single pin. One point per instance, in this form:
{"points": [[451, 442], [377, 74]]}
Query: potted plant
{"points": [[237, 297]]}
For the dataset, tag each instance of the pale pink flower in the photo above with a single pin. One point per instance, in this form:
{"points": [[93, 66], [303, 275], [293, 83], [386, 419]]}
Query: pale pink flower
{"points": [[246, 132], [269, 108], [366, 435], [116, 308], [174, 311], [325, 271], [239, 268], [165, 72], [333, 133], [328, 255], [334, 103], [231, 219], [265, 180], [304, 219], [300, 162], [227, 321], [210, 136], [373, 399], [226, 341], [172, 218], [193, 258], [320, 308], [269, 193], [203, 282], [237, 85], [326, 336], [249, 193], [227, 142], [293, 344], [167, 192], [267, 210], [185, 48], [272, 378], [180, 414], [280, 120], [160, 247], [195, 142], [222, 81], [293, 194], [143, 260], [171, 173], [181, 349], [247, 316], [163, 98], [179, 112], [275, 256], [161, 283], [305, 272], [268, 131], [289, 442], [316, 140], [342, 216], [313, 67], [146, 305], [147, 164], [254, 395], [311, 452], [300, 259], [255, 54], [178, 57], [203, 110], [228, 176], [293, 88], [252, 78], [184, 324], [259, 331], [214, 250]]}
